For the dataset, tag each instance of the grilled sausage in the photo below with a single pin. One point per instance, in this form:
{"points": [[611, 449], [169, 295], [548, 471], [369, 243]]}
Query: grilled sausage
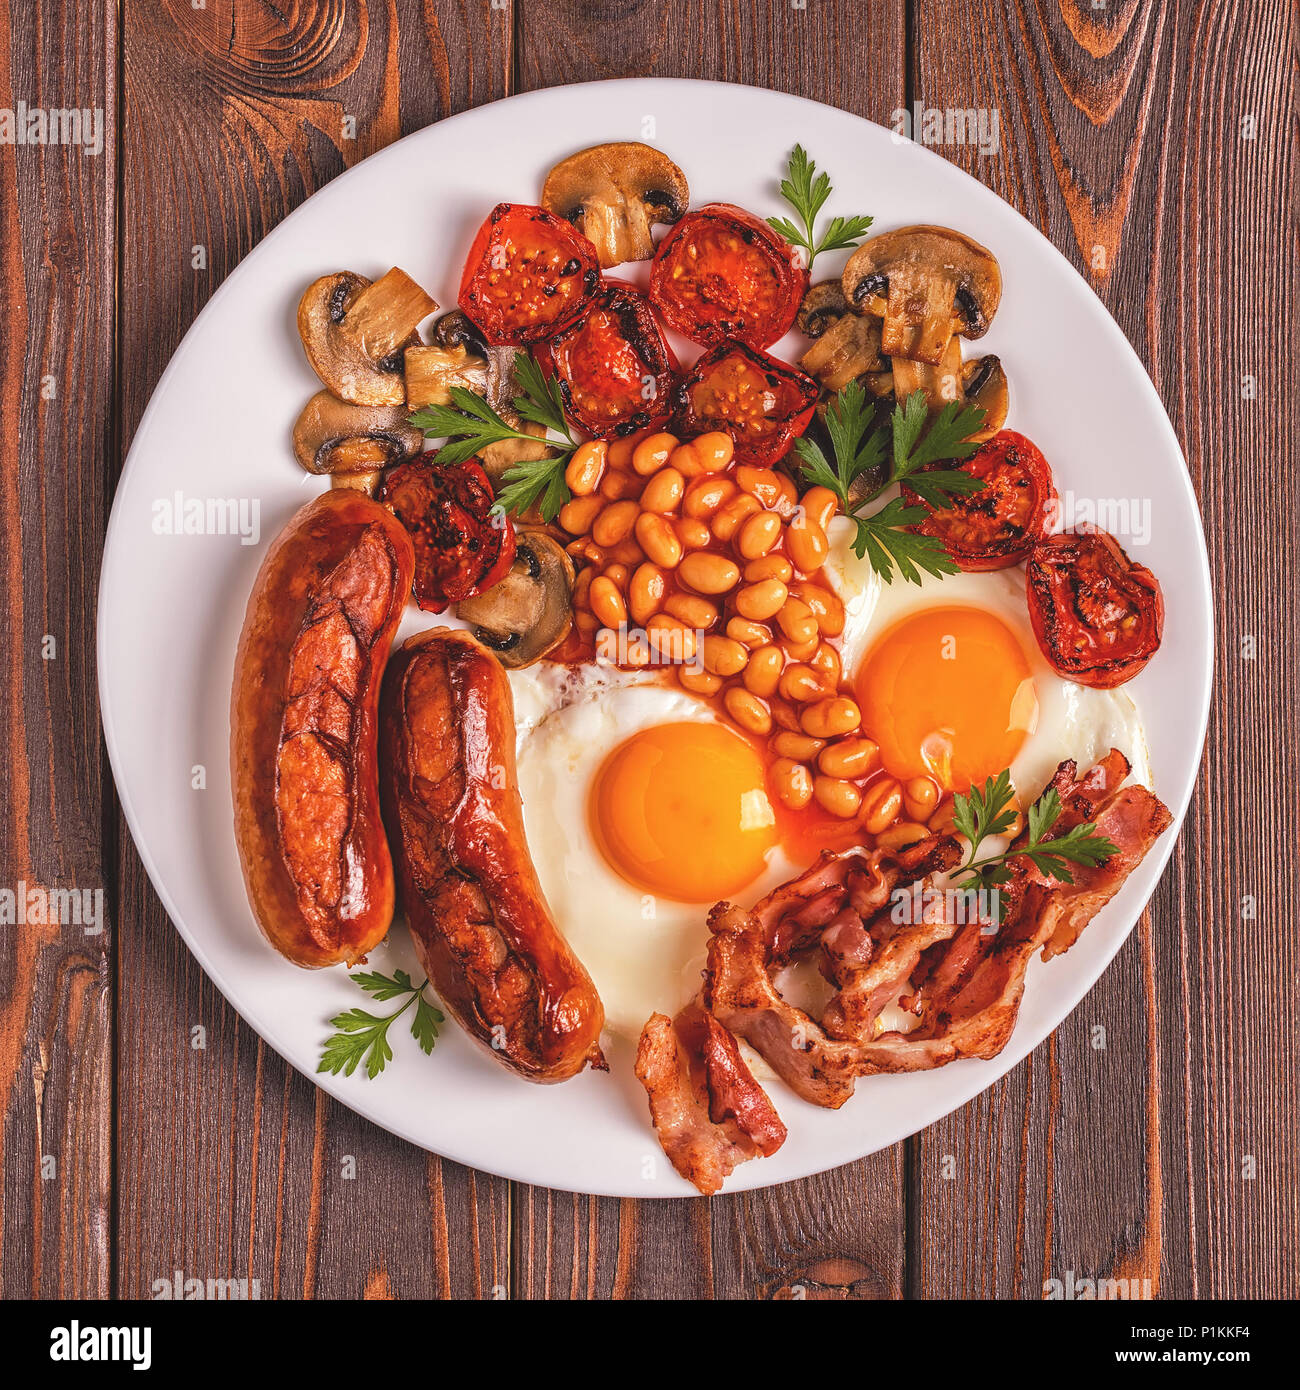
{"points": [[482, 929], [303, 728]]}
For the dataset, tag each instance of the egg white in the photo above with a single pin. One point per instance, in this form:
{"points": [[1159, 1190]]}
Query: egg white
{"points": [[644, 952]]}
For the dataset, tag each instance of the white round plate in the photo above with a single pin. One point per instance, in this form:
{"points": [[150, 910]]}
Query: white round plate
{"points": [[218, 426]]}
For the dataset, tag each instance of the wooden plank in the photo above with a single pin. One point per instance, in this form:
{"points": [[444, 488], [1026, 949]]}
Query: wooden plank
{"points": [[230, 1164], [839, 1235], [1124, 139], [57, 209]]}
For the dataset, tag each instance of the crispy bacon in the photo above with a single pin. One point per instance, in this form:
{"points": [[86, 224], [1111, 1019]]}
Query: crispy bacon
{"points": [[969, 999], [842, 904], [963, 980], [708, 1111], [740, 994]]}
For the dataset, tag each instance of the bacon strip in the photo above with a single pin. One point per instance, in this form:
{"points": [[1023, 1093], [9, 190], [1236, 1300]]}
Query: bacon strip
{"points": [[963, 980], [842, 903], [707, 1109], [740, 994], [969, 1004]]}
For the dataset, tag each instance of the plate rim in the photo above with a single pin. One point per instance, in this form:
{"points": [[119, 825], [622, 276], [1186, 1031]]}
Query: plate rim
{"points": [[338, 1087]]}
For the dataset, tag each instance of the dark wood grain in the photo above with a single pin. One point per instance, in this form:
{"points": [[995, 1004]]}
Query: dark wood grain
{"points": [[1123, 140], [56, 274], [839, 1235], [231, 1165]]}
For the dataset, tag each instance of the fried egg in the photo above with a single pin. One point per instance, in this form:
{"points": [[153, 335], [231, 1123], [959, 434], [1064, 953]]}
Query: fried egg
{"points": [[952, 684], [643, 807]]}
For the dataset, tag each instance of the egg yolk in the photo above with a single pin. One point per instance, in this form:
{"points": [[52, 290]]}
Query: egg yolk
{"points": [[947, 694], [681, 811]]}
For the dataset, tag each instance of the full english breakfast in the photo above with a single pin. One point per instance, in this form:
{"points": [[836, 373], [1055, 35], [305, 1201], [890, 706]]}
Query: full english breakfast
{"points": [[779, 726]]}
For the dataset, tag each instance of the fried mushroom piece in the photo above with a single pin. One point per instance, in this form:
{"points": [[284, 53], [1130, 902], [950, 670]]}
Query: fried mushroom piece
{"points": [[926, 283], [359, 482], [981, 382], [530, 611], [333, 436], [354, 332], [984, 381], [432, 371], [846, 345], [613, 194], [455, 332]]}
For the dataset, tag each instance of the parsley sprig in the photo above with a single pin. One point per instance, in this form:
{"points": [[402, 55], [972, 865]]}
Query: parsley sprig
{"points": [[363, 1037], [471, 424], [807, 191], [908, 449], [988, 810]]}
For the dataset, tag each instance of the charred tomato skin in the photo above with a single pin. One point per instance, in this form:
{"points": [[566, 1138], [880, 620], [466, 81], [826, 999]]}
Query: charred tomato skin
{"points": [[1000, 524], [763, 433], [1097, 616], [604, 359], [517, 243], [722, 273], [462, 546]]}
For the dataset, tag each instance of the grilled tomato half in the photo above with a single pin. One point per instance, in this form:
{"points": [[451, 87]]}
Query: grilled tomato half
{"points": [[1097, 616], [464, 544], [721, 273], [528, 274], [763, 403], [615, 372], [998, 525]]}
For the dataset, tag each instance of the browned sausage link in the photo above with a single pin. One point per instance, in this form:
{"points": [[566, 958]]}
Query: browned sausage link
{"points": [[304, 729], [483, 931]]}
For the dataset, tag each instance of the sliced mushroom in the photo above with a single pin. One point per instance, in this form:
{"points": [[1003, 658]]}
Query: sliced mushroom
{"points": [[353, 332], [431, 372], [822, 306], [331, 436], [941, 383], [498, 458], [981, 382], [847, 345], [613, 194], [359, 482], [927, 283], [530, 611], [985, 384], [453, 331], [456, 330]]}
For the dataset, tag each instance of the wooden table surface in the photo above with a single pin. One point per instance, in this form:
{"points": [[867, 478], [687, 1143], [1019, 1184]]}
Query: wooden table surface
{"points": [[1154, 144]]}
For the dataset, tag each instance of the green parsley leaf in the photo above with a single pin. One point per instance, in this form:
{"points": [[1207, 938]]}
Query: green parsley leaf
{"points": [[536, 481], [363, 1037], [470, 424], [848, 419], [424, 1026], [541, 401], [988, 811], [807, 191], [947, 437], [383, 986], [1077, 846], [1044, 814], [843, 233], [886, 539]]}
